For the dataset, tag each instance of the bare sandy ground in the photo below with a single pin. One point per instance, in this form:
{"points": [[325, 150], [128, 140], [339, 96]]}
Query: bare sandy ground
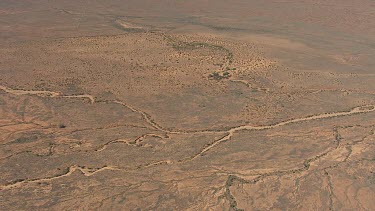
{"points": [[187, 105]]}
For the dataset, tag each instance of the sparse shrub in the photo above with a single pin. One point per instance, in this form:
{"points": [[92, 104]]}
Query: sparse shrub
{"points": [[215, 76], [218, 76], [226, 74], [61, 125]]}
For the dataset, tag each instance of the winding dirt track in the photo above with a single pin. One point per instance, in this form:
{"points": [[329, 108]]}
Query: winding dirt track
{"points": [[85, 171], [230, 132], [44, 93], [246, 83], [356, 110]]}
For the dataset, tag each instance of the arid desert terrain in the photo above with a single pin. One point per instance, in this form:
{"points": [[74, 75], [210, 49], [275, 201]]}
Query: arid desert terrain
{"points": [[187, 105]]}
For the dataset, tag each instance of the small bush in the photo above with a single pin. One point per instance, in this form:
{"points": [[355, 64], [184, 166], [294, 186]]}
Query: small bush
{"points": [[62, 125], [218, 76]]}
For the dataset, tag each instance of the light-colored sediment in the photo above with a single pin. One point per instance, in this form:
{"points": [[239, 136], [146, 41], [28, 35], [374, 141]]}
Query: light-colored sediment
{"points": [[85, 171], [44, 93], [356, 110]]}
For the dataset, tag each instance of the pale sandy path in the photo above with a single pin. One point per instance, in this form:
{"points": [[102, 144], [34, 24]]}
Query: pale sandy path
{"points": [[85, 171], [356, 110], [29, 92], [44, 93], [259, 89], [230, 132]]}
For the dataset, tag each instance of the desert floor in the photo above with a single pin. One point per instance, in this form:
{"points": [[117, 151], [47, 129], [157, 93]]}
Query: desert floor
{"points": [[187, 105]]}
